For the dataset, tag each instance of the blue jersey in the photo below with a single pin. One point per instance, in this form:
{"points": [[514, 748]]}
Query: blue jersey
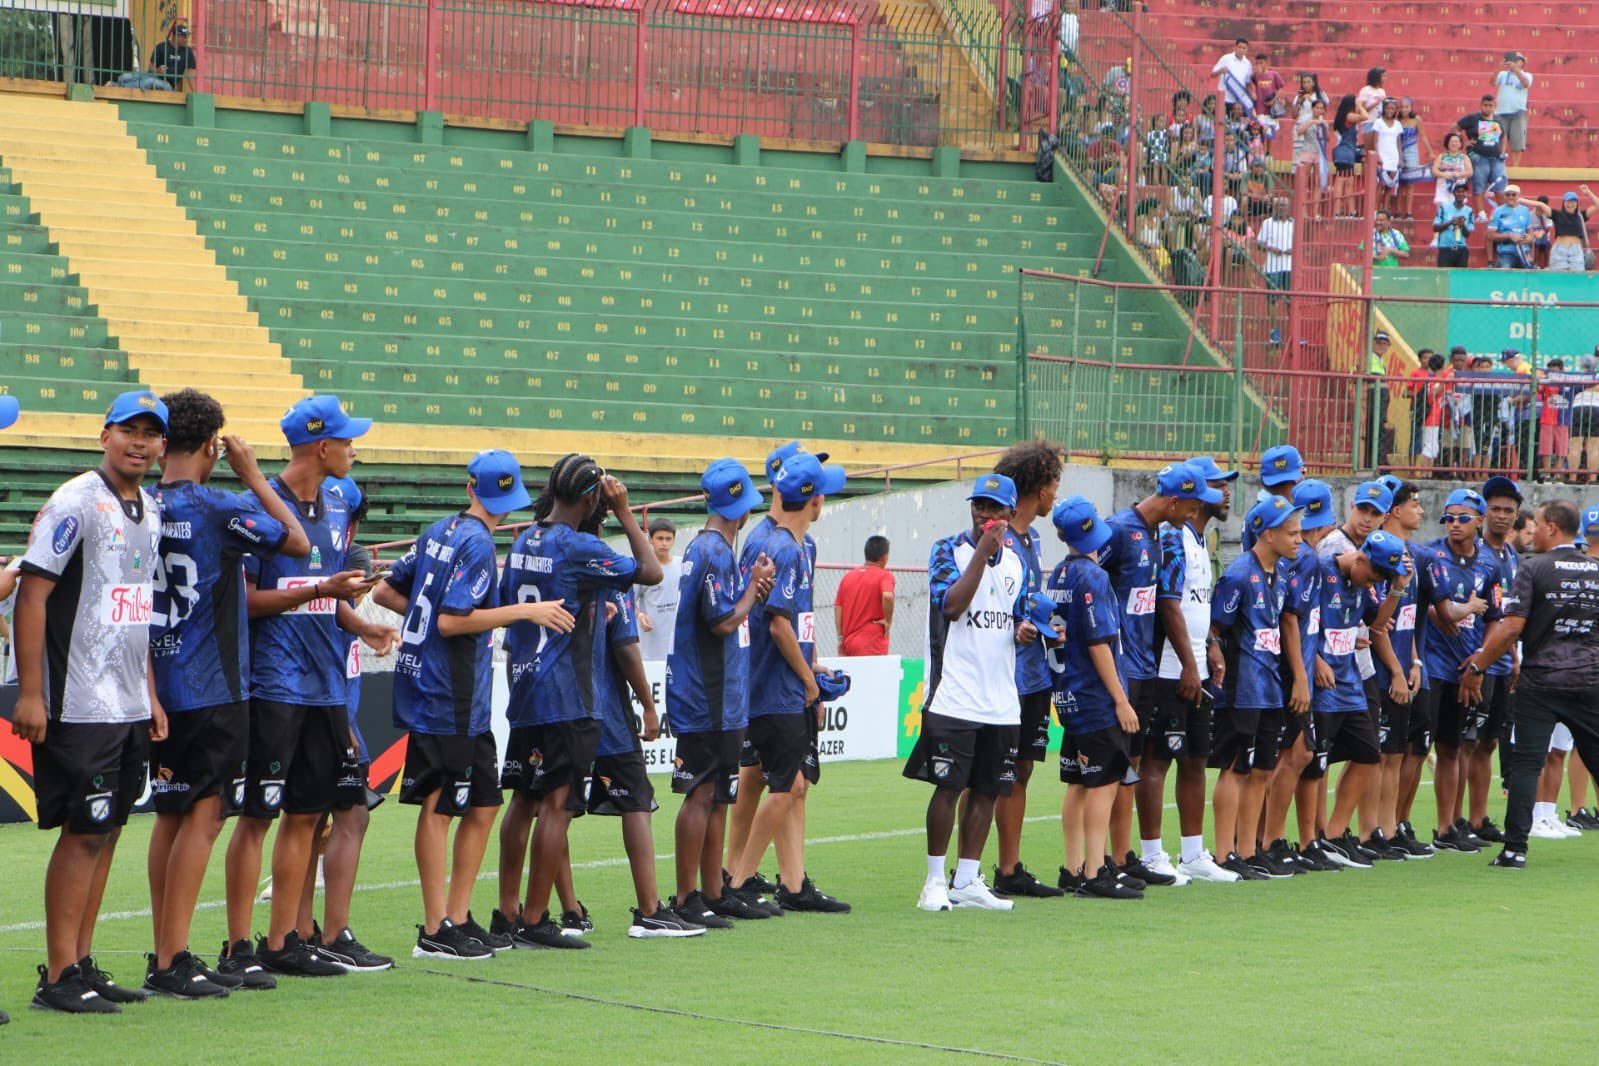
{"points": [[1132, 559], [199, 627], [1410, 615], [1086, 603], [1509, 563], [618, 733], [774, 687], [1304, 600], [1032, 669], [1247, 608], [352, 698], [707, 676], [298, 657], [442, 684], [1459, 578], [555, 677], [1344, 609]]}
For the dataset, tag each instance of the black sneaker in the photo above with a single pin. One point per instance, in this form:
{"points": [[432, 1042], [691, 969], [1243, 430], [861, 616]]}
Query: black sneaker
{"points": [[1280, 856], [810, 898], [1582, 818], [449, 942], [762, 885], [1020, 882], [1453, 839], [756, 898], [1134, 867], [1382, 849], [1123, 874], [1283, 851], [351, 956], [296, 958], [1345, 850], [1235, 862], [1489, 832], [731, 905], [1464, 827], [1263, 863], [544, 934], [1070, 883], [500, 925], [1405, 839], [5, 1019], [576, 923], [474, 931], [216, 977], [665, 922], [238, 962], [1510, 860], [102, 982], [1108, 883], [70, 994], [1316, 854], [696, 911], [184, 979]]}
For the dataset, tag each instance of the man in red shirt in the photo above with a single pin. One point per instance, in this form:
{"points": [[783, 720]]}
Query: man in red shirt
{"points": [[864, 607]]}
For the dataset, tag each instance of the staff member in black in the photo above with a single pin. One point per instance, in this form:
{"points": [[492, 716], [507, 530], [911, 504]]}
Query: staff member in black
{"points": [[1553, 609]]}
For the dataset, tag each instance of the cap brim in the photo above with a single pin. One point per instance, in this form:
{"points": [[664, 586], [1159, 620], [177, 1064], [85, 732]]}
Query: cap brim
{"points": [[10, 411], [1283, 478], [1210, 495], [514, 500], [1091, 541], [1379, 508], [357, 427], [135, 416], [991, 498], [832, 480], [1319, 521], [1227, 475], [1496, 486]]}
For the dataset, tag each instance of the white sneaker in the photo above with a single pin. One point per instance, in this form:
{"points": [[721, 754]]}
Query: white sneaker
{"points": [[1160, 863], [1204, 868], [1547, 829], [1569, 830], [979, 895], [935, 897]]}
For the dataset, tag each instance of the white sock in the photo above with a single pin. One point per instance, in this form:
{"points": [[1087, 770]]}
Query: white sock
{"points": [[966, 871], [1192, 846], [935, 867], [1151, 848], [1540, 811]]}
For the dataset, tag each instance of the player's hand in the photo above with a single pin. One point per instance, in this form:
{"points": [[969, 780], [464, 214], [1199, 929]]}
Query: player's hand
{"points": [[1362, 643], [1470, 691], [1126, 717], [645, 623], [763, 575], [29, 720], [993, 534], [1026, 633], [241, 458], [1299, 697], [1515, 676], [1217, 663], [158, 721], [652, 725], [1398, 690], [615, 493], [1325, 678], [345, 585], [381, 639], [1188, 685], [822, 671], [551, 614], [812, 692], [1476, 605], [1415, 675]]}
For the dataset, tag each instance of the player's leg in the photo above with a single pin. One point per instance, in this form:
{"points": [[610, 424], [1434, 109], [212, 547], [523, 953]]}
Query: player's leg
{"points": [[316, 744], [1010, 812], [431, 847], [1446, 775], [187, 854], [689, 835], [305, 918], [1578, 779], [1491, 719], [638, 841], [162, 835], [516, 827], [341, 862], [943, 758]]}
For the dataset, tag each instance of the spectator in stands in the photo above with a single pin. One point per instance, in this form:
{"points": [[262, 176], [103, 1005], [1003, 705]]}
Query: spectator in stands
{"points": [[1372, 94], [657, 604], [1236, 76], [1068, 34], [1188, 159], [1152, 234], [1205, 122], [1510, 103], [1235, 160], [1452, 168], [1157, 151], [1239, 240], [1309, 92], [1570, 248], [173, 59], [1386, 132], [1268, 84], [1515, 418], [1229, 208], [1583, 452], [1183, 201], [1388, 245], [1554, 422], [1310, 141], [1538, 232], [1484, 412], [1345, 154], [1412, 142], [863, 610], [1257, 190], [1453, 224], [1457, 449], [1426, 408], [1509, 226], [1276, 239], [1485, 144], [1378, 433]]}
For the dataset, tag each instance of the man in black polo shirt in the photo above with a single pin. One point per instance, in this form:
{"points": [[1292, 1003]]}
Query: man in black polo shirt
{"points": [[1553, 609]]}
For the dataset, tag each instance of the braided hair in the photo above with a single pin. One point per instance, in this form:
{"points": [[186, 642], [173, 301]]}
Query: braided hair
{"points": [[571, 478]]}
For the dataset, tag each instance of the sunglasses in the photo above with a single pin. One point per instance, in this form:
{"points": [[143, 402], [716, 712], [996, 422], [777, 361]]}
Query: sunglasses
{"points": [[1451, 519]]}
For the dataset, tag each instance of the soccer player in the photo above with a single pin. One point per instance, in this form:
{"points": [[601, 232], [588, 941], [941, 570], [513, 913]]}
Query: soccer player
{"points": [[1182, 730], [555, 702], [299, 729], [1492, 721], [1098, 721], [86, 699], [1132, 559], [1245, 611], [707, 685], [200, 651], [785, 707], [1034, 468], [1281, 468], [9, 411]]}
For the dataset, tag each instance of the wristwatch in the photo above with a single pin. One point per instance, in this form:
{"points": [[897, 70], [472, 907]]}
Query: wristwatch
{"points": [[1472, 666]]}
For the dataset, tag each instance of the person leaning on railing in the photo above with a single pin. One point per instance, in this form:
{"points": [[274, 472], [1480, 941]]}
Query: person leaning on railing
{"points": [[173, 59], [1584, 449]]}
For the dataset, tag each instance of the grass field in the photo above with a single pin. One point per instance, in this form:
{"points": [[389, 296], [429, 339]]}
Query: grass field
{"points": [[1475, 964]]}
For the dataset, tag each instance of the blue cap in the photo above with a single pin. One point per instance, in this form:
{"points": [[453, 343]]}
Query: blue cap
{"points": [[1269, 514], [496, 480], [1079, 525], [782, 454], [1315, 499], [832, 686], [1206, 465], [1393, 481], [1387, 553], [1186, 482], [1281, 465], [345, 489], [1499, 485], [1041, 612], [802, 477], [1467, 498], [1590, 522], [1374, 494], [1569, 196], [321, 418], [10, 408], [729, 492], [996, 487], [1509, 354], [130, 405]]}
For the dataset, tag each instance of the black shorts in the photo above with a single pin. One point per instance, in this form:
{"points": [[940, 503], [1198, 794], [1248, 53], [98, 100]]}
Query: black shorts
{"points": [[1453, 718], [460, 769], [1491, 719], [1181, 729], [542, 758], [1247, 740], [295, 756], [88, 775], [709, 757], [1034, 734], [785, 745], [621, 785], [1103, 757], [1349, 736], [203, 756], [954, 753], [353, 790], [1144, 695], [1406, 728]]}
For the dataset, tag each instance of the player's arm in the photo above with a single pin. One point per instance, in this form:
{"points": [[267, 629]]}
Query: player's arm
{"points": [[241, 458], [263, 603], [28, 721], [630, 661], [1104, 661], [380, 638], [1500, 638], [959, 595], [8, 582], [390, 598], [1292, 640], [755, 590], [782, 630], [549, 613], [649, 568], [888, 604], [158, 713]]}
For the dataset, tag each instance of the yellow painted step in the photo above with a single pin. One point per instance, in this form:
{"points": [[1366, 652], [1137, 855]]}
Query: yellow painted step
{"points": [[199, 353], [110, 308], [20, 151], [84, 199], [90, 245], [221, 362], [151, 223], [182, 275], [201, 282], [186, 331], [269, 383]]}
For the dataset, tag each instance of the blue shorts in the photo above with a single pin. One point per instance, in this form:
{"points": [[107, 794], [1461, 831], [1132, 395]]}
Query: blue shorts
{"points": [[1487, 172]]}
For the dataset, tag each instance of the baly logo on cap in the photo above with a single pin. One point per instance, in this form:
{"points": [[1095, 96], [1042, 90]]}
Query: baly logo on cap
{"points": [[1314, 506], [147, 401], [506, 481], [1088, 524], [809, 488], [1188, 486], [315, 425], [1280, 464], [991, 483], [1374, 492], [736, 489]]}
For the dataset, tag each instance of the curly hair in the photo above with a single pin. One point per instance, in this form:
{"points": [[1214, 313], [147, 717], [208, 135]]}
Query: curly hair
{"points": [[192, 419], [1031, 464]]}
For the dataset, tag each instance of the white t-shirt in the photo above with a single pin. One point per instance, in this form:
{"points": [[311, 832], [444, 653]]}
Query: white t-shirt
{"points": [[1198, 582], [1234, 74], [1388, 134], [972, 659], [1278, 233], [1370, 99], [1512, 94], [660, 603], [1229, 207]]}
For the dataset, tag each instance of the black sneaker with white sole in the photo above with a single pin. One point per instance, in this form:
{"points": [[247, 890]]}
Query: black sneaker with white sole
{"points": [[185, 979], [1582, 818], [351, 955], [1404, 838], [1317, 854], [1452, 839], [103, 983], [296, 958], [664, 923], [1383, 849], [1021, 882], [1345, 850], [1510, 860], [578, 922], [238, 961], [489, 939], [810, 898], [752, 895], [70, 994], [1235, 862], [696, 911], [502, 925], [1488, 832], [1134, 867], [1465, 827], [730, 905], [544, 934], [1108, 883], [1273, 867], [448, 942]]}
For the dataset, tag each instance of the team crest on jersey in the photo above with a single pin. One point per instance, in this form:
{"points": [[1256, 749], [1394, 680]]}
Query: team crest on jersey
{"points": [[238, 792], [941, 766], [272, 794], [463, 792], [99, 805]]}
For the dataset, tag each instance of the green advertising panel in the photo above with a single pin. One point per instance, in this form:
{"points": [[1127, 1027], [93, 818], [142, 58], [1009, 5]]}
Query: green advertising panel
{"points": [[1528, 310], [913, 692]]}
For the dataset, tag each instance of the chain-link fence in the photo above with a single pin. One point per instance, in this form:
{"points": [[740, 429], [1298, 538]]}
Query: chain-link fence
{"points": [[907, 635]]}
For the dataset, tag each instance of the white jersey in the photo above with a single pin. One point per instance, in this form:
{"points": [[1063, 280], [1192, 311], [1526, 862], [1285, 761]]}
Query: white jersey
{"points": [[1333, 545], [971, 660], [1198, 581], [101, 552], [659, 602]]}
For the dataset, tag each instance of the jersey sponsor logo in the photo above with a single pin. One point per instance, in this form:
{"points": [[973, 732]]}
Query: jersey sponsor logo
{"points": [[65, 535], [1269, 640], [1233, 601], [320, 605], [744, 633], [1341, 641], [807, 627], [126, 605], [244, 527], [603, 566], [989, 619], [1406, 618], [788, 586], [480, 584], [352, 660], [1142, 600]]}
